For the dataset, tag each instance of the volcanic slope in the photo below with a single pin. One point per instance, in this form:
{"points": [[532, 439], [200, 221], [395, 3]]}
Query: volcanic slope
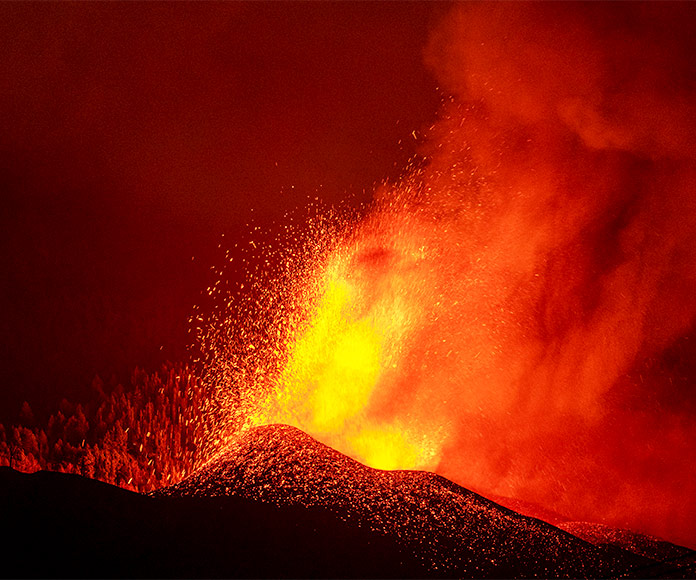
{"points": [[60, 525], [455, 531]]}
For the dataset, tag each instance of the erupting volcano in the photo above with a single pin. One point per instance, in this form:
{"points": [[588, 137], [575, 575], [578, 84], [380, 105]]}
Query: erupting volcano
{"points": [[505, 315], [488, 368]]}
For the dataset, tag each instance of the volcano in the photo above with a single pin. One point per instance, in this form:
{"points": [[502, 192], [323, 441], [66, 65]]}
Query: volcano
{"points": [[452, 530], [278, 503]]}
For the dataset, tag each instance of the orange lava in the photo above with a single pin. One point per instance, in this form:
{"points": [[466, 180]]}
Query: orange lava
{"points": [[348, 349]]}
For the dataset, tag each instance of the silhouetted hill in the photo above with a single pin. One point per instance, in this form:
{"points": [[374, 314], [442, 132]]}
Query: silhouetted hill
{"points": [[280, 504], [671, 559], [455, 531], [61, 526]]}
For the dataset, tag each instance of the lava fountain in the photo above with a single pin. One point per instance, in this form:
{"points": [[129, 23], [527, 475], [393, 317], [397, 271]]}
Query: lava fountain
{"points": [[504, 315]]}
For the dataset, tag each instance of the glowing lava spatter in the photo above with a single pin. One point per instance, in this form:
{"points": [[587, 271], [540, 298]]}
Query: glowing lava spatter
{"points": [[490, 316], [417, 339], [344, 346]]}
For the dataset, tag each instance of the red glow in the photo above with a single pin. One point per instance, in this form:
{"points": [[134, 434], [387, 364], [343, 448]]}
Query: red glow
{"points": [[491, 315], [515, 313]]}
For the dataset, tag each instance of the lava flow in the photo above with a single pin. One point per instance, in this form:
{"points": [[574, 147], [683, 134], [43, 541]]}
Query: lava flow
{"points": [[506, 314]]}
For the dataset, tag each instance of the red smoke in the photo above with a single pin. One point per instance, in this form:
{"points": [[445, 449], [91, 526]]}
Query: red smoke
{"points": [[512, 310], [578, 123]]}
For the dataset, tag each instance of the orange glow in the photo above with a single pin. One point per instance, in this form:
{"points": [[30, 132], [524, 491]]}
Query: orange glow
{"points": [[336, 362], [338, 359], [387, 447], [492, 316]]}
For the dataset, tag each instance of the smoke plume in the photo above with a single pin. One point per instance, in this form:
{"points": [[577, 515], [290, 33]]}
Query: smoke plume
{"points": [[561, 200]]}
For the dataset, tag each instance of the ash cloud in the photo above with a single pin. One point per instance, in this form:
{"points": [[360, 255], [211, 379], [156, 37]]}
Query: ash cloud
{"points": [[557, 209], [527, 287], [619, 76]]}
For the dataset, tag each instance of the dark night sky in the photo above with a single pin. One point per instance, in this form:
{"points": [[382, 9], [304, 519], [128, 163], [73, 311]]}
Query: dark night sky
{"points": [[134, 135]]}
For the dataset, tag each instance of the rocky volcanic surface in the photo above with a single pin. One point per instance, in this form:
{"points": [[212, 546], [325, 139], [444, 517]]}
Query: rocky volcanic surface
{"points": [[278, 504], [453, 530]]}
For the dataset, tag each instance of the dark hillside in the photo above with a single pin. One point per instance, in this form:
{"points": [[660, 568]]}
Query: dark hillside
{"points": [[453, 530], [280, 504], [60, 526]]}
